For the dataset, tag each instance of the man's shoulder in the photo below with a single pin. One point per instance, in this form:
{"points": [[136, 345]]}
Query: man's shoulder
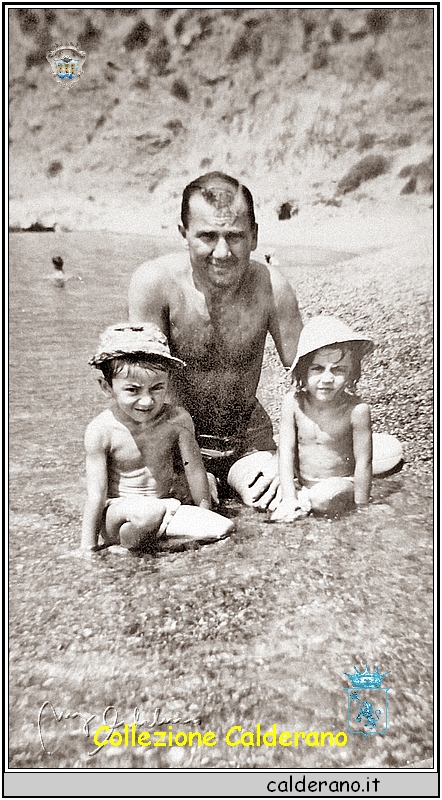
{"points": [[259, 269], [266, 275], [167, 267]]}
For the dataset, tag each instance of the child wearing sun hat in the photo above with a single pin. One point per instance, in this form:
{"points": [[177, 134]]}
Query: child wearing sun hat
{"points": [[326, 441], [130, 448]]}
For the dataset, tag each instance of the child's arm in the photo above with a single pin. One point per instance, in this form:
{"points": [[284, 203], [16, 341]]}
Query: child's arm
{"points": [[287, 449], [196, 475], [362, 450], [96, 485]]}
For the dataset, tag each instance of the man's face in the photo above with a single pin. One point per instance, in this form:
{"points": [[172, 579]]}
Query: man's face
{"points": [[219, 236]]}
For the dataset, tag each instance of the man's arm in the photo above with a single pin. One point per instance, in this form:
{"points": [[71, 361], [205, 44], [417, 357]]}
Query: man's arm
{"points": [[285, 323], [148, 294], [362, 450], [285, 326], [96, 485]]}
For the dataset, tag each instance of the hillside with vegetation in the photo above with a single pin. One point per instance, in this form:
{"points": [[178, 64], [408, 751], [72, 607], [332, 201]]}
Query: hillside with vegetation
{"points": [[311, 108]]}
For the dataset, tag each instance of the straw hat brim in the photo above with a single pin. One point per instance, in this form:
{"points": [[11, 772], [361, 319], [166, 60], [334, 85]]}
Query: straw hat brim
{"points": [[323, 331], [100, 358], [144, 340]]}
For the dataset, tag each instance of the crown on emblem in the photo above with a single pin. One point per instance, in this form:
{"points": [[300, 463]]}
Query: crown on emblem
{"points": [[367, 679]]}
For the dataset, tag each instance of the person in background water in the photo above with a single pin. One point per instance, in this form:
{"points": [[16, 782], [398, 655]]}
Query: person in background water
{"points": [[58, 276]]}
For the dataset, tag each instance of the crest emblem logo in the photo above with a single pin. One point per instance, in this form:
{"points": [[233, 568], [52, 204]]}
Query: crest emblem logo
{"points": [[367, 702], [66, 62]]}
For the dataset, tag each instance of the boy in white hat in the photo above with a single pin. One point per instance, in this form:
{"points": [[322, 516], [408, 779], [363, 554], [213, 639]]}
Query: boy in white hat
{"points": [[130, 448], [325, 431]]}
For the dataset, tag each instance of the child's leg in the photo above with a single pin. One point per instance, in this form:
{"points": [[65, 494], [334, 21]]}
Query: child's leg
{"points": [[193, 524], [331, 495], [132, 520]]}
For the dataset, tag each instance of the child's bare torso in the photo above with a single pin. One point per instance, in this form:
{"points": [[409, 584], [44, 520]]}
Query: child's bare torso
{"points": [[140, 458], [324, 439]]}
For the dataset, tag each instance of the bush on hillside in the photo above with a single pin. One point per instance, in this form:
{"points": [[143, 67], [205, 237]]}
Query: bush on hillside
{"points": [[373, 64], [246, 44], [378, 20], [420, 177], [366, 141], [50, 16], [410, 186], [406, 171], [337, 30], [35, 58], [287, 211], [320, 56], [180, 90], [89, 34], [367, 168], [138, 36], [54, 168], [404, 140], [28, 21], [160, 56]]}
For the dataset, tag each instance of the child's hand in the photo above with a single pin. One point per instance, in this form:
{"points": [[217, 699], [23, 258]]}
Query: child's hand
{"points": [[288, 511]]}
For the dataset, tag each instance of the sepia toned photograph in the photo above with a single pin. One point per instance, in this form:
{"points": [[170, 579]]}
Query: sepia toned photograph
{"points": [[220, 268]]}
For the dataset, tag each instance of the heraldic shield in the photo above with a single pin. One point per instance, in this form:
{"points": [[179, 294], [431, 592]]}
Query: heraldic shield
{"points": [[66, 63], [367, 702]]}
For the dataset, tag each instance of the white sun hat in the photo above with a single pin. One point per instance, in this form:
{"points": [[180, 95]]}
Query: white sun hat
{"points": [[324, 331]]}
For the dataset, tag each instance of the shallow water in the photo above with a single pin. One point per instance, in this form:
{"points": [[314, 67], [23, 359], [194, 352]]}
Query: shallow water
{"points": [[258, 628]]}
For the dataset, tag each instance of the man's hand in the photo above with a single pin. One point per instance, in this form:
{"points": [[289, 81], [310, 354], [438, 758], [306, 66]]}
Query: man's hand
{"points": [[255, 478], [265, 491]]}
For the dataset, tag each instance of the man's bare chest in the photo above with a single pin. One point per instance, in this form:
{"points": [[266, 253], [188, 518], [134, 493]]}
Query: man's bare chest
{"points": [[235, 329]]}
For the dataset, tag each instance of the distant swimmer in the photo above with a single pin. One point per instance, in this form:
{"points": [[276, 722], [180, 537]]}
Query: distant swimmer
{"points": [[271, 259], [59, 277]]}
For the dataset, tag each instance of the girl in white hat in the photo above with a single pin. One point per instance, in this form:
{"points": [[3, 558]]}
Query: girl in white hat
{"points": [[325, 431]]}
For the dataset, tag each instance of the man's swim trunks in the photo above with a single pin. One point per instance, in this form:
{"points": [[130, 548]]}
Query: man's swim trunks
{"points": [[220, 452]]}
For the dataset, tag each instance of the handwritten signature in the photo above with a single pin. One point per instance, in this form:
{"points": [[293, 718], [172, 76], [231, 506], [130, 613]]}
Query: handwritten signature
{"points": [[110, 719]]}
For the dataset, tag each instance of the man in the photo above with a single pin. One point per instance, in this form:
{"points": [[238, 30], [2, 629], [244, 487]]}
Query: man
{"points": [[216, 306]]}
